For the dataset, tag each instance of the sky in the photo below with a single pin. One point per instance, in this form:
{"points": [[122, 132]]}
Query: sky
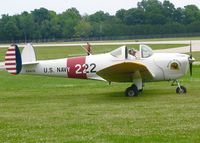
{"points": [[13, 7]]}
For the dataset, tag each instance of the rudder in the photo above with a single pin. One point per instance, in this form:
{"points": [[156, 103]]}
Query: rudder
{"points": [[13, 61]]}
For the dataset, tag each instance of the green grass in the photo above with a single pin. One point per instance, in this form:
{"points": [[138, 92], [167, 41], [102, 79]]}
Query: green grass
{"points": [[196, 55], [49, 109]]}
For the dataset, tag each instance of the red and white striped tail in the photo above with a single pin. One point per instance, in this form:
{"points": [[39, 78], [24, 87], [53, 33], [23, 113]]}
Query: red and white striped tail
{"points": [[13, 60]]}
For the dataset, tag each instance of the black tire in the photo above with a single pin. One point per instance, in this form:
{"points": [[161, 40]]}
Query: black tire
{"points": [[181, 90], [134, 86], [131, 91]]}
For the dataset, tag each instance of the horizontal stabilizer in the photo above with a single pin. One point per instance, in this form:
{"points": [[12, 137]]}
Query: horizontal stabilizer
{"points": [[30, 63]]}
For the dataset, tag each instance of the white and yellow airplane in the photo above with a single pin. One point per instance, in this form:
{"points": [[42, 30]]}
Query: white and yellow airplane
{"points": [[116, 66]]}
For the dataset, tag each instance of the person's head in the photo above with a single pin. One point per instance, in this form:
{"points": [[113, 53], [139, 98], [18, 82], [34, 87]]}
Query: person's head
{"points": [[132, 52]]}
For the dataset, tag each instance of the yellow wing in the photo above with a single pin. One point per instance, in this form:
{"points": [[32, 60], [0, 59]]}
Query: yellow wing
{"points": [[125, 72]]}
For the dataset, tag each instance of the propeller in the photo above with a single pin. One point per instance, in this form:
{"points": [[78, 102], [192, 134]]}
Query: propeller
{"points": [[190, 59]]}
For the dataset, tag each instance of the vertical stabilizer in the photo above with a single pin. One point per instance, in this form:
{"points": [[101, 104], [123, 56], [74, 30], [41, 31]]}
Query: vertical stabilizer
{"points": [[28, 54]]}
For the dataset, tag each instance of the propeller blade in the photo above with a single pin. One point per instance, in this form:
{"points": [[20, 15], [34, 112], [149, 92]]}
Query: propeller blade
{"points": [[191, 59], [190, 49], [190, 68]]}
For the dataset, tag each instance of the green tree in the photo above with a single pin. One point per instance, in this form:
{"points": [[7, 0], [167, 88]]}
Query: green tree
{"points": [[168, 10], [40, 15], [99, 16], [26, 25], [178, 15], [149, 17], [10, 30], [134, 16], [68, 20], [191, 13], [121, 14], [153, 11], [83, 29], [193, 27]]}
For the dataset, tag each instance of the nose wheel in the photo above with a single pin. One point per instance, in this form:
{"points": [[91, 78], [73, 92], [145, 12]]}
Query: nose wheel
{"points": [[180, 89]]}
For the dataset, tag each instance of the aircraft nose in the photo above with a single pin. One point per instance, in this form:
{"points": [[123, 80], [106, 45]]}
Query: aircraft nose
{"points": [[191, 59]]}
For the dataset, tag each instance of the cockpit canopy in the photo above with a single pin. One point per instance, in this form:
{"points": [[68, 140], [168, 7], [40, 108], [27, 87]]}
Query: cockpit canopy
{"points": [[123, 52], [145, 51], [120, 52]]}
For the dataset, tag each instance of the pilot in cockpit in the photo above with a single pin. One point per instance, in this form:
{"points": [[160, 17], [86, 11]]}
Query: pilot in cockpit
{"points": [[132, 54]]}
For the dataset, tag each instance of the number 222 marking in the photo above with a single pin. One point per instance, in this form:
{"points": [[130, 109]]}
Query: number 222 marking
{"points": [[87, 68]]}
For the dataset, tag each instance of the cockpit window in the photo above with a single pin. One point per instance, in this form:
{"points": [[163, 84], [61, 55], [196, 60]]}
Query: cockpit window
{"points": [[116, 52], [119, 52], [145, 51]]}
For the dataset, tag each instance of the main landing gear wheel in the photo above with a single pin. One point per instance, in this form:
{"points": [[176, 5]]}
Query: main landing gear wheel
{"points": [[132, 91], [181, 90]]}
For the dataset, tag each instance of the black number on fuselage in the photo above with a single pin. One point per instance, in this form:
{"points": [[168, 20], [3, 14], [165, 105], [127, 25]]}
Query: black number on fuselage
{"points": [[93, 66]]}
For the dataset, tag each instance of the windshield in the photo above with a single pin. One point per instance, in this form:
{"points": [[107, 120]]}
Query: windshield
{"points": [[145, 51]]}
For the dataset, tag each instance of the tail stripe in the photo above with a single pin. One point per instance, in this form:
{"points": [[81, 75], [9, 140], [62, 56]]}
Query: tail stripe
{"points": [[13, 61], [10, 52], [10, 59], [12, 48], [11, 68], [9, 64], [13, 54]]}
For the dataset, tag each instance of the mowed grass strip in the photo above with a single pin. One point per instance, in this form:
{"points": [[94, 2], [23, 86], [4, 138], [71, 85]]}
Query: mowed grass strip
{"points": [[50, 109]]}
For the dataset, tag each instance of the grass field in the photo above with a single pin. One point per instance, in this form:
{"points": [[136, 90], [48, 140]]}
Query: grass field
{"points": [[48, 109]]}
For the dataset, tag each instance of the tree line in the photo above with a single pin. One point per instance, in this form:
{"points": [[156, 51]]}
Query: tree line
{"points": [[148, 18]]}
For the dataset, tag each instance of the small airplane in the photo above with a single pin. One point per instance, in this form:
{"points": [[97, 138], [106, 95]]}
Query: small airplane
{"points": [[119, 65]]}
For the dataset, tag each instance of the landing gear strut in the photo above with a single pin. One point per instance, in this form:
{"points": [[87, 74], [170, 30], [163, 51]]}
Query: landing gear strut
{"points": [[180, 89]]}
